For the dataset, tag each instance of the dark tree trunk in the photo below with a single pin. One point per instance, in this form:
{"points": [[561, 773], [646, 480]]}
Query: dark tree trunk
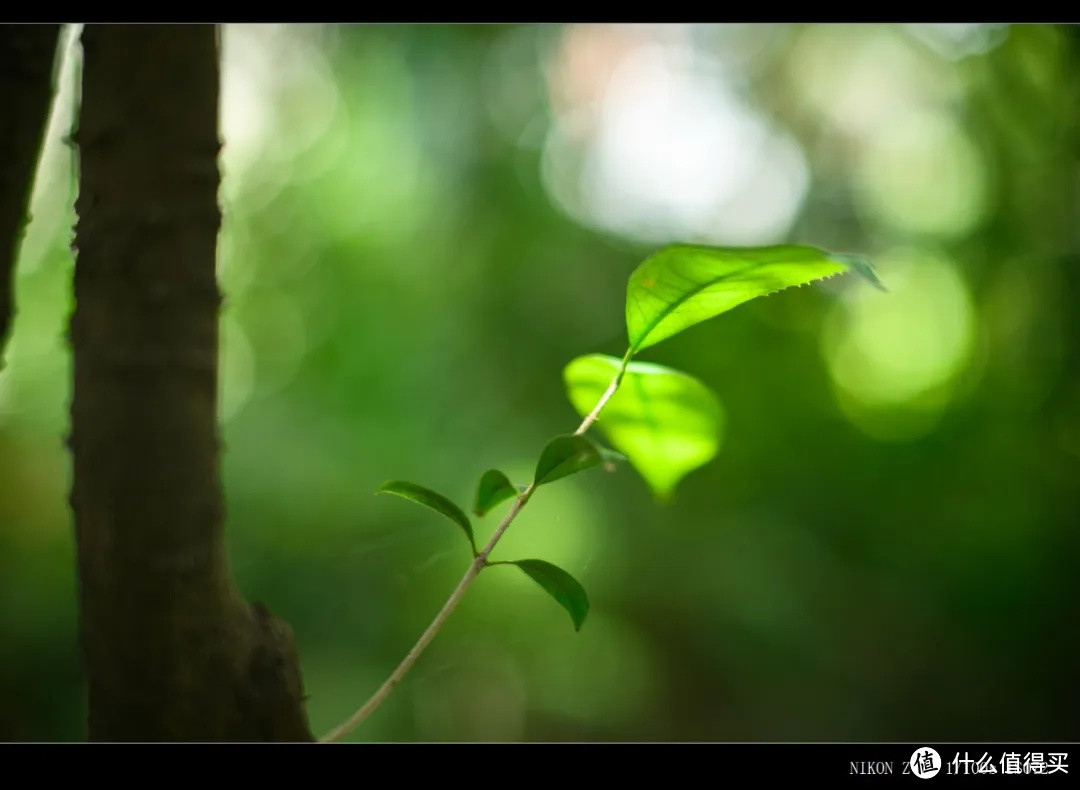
{"points": [[172, 651], [27, 53]]}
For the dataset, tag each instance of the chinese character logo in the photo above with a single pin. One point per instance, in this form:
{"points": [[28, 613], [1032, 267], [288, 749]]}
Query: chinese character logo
{"points": [[968, 765], [1010, 763], [925, 762], [1038, 763]]}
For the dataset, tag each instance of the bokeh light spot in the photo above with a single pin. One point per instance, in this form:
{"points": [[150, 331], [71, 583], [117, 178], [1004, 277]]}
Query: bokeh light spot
{"points": [[860, 78], [923, 174], [902, 348], [661, 147]]}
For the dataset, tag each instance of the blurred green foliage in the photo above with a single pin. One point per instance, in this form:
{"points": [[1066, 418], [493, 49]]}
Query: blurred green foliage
{"points": [[423, 224]]}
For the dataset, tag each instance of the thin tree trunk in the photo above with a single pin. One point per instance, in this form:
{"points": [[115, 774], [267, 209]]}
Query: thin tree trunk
{"points": [[172, 651], [27, 53]]}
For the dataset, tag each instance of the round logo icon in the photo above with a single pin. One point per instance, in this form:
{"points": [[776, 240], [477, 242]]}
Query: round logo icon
{"points": [[925, 762]]}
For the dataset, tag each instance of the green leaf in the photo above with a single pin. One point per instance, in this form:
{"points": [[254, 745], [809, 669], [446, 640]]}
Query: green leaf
{"points": [[683, 285], [494, 488], [567, 455], [561, 586], [435, 501], [667, 423]]}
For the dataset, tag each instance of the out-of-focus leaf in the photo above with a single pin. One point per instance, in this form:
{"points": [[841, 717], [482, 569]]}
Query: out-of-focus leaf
{"points": [[561, 586], [494, 487], [666, 422], [567, 455], [683, 285], [432, 499]]}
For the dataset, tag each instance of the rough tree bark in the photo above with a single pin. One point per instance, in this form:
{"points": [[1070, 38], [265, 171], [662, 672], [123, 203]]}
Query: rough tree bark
{"points": [[171, 649], [27, 53]]}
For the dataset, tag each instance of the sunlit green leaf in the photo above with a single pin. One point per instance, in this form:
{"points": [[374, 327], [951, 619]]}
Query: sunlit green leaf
{"points": [[494, 488], [666, 422], [433, 500], [683, 285], [561, 586], [567, 455]]}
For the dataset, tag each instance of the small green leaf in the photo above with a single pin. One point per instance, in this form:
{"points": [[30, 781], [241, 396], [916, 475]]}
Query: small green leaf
{"points": [[667, 422], [494, 488], [683, 285], [567, 455], [561, 586], [435, 501]]}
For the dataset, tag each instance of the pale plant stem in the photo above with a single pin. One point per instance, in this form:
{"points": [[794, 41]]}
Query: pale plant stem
{"points": [[425, 638], [600, 404], [477, 565]]}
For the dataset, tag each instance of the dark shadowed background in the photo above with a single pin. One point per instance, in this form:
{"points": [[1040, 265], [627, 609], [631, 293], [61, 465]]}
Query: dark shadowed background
{"points": [[424, 224]]}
